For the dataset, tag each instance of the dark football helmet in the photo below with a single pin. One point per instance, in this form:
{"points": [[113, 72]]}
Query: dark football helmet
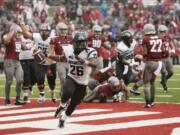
{"points": [[127, 37], [80, 42]]}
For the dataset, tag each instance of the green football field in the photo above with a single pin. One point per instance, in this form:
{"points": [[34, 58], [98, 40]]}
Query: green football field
{"points": [[172, 96]]}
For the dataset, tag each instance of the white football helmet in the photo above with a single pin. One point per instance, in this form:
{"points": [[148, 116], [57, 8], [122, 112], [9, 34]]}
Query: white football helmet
{"points": [[149, 29], [162, 28], [44, 30], [97, 30], [45, 27], [62, 29], [113, 82]]}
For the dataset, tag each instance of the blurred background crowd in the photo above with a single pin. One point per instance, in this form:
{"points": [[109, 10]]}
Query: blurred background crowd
{"points": [[113, 15]]}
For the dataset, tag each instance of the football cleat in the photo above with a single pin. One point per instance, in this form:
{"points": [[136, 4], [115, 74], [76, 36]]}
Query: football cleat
{"points": [[152, 104], [61, 123], [19, 102], [26, 100], [7, 102], [41, 99], [53, 100], [147, 105], [135, 92], [165, 88], [58, 111]]}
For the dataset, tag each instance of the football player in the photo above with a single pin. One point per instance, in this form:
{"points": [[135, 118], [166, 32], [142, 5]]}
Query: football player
{"points": [[154, 50], [12, 66], [56, 44], [113, 88], [100, 77], [42, 41], [96, 41], [81, 59], [125, 60], [167, 71], [28, 66]]}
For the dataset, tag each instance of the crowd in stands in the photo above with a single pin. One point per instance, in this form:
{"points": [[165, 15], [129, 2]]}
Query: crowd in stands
{"points": [[113, 15]]}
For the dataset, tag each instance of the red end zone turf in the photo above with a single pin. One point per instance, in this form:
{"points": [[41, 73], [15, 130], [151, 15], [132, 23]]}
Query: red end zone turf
{"points": [[91, 118]]}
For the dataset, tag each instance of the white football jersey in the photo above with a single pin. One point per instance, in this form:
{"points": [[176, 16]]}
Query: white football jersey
{"points": [[127, 52], [27, 54], [41, 44], [77, 70]]}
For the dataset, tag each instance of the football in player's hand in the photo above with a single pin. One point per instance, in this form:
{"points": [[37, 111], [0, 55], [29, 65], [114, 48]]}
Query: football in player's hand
{"points": [[39, 56]]}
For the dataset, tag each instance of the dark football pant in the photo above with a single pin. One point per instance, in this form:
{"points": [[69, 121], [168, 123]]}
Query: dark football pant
{"points": [[29, 69], [129, 77], [73, 91], [41, 71]]}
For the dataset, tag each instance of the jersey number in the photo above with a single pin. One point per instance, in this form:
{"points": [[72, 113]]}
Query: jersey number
{"points": [[156, 45], [43, 49], [96, 43], [76, 70]]}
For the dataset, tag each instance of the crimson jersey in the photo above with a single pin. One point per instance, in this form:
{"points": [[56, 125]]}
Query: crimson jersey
{"points": [[138, 49], [167, 40], [13, 49], [96, 42], [107, 91], [155, 47], [60, 41], [104, 74]]}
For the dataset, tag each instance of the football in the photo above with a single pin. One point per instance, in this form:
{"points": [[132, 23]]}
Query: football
{"points": [[39, 56]]}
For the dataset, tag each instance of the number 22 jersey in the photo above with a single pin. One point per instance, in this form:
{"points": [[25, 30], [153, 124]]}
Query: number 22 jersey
{"points": [[77, 70]]}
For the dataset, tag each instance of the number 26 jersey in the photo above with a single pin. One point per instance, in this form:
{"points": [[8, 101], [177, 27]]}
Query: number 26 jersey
{"points": [[77, 70]]}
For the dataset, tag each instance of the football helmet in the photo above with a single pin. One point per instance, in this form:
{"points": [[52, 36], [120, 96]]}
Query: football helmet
{"points": [[45, 30], [97, 30], [162, 29], [80, 42], [127, 37], [114, 83], [149, 29], [62, 29]]}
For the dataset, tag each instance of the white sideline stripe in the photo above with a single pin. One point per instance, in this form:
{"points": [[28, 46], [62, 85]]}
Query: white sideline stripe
{"points": [[111, 115], [7, 107], [79, 128], [135, 98], [170, 80], [40, 115], [28, 110], [164, 96], [52, 123], [176, 131], [13, 86]]}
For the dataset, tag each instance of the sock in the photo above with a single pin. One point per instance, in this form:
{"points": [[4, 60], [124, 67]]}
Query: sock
{"points": [[42, 94], [64, 117], [62, 105]]}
